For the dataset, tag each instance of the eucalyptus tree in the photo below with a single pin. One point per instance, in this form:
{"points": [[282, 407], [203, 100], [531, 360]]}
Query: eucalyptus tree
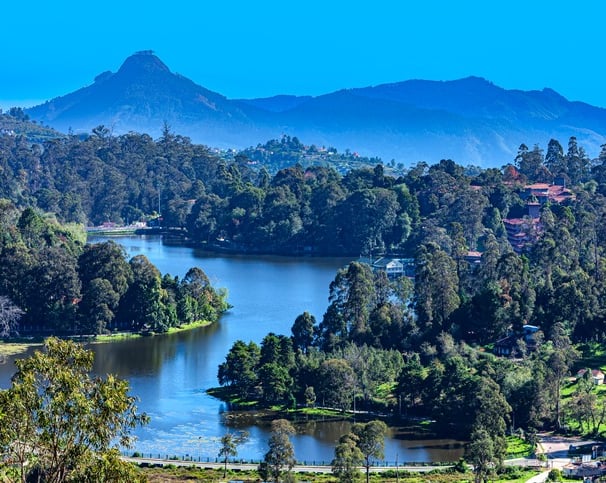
{"points": [[348, 458], [280, 456], [229, 446], [370, 441], [436, 294], [60, 424], [10, 315], [352, 297], [303, 332]]}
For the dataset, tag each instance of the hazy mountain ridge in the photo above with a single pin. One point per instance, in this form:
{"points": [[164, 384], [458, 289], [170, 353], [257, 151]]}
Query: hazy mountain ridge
{"points": [[470, 120]]}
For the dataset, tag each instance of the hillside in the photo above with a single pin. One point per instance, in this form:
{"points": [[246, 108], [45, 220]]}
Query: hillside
{"points": [[16, 123], [469, 120]]}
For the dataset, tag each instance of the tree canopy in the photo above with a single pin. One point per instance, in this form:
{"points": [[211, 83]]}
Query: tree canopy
{"points": [[59, 423]]}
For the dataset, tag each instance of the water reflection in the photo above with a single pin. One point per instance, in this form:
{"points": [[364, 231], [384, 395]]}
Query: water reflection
{"points": [[170, 374]]}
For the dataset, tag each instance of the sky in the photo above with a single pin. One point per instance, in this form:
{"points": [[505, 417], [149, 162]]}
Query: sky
{"points": [[257, 48]]}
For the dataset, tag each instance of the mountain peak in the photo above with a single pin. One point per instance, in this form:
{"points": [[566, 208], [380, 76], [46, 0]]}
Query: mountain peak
{"points": [[143, 61]]}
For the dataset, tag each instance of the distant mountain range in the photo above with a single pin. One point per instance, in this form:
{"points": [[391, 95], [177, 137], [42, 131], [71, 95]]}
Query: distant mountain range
{"points": [[470, 120]]}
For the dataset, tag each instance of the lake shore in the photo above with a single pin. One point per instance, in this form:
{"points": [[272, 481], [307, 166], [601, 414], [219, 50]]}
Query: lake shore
{"points": [[9, 349]]}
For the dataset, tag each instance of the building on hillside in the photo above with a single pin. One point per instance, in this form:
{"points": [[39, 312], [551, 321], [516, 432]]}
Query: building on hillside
{"points": [[584, 469], [473, 257], [544, 192], [522, 233], [393, 267], [596, 375], [508, 345]]}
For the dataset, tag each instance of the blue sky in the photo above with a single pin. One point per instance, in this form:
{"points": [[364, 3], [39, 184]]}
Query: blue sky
{"points": [[263, 48]]}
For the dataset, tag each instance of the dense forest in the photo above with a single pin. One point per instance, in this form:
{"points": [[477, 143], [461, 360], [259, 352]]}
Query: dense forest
{"points": [[51, 282], [418, 345]]}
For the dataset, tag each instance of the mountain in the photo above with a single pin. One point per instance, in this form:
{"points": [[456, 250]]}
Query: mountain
{"points": [[469, 120]]}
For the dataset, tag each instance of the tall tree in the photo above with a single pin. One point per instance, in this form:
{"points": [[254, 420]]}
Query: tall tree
{"points": [[481, 454], [281, 454], [436, 289], [9, 317], [348, 458], [371, 441], [336, 384], [229, 447], [240, 366], [303, 331]]}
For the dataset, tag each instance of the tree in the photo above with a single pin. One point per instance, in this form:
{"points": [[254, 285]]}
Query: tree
{"points": [[559, 360], [303, 332], [436, 289], [336, 383], [9, 317], [229, 446], [352, 296], [239, 368], [480, 453], [491, 416], [142, 307], [371, 441], [281, 453], [348, 458], [59, 422]]}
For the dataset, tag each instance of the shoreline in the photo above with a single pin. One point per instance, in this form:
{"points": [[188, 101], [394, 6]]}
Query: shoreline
{"points": [[9, 349]]}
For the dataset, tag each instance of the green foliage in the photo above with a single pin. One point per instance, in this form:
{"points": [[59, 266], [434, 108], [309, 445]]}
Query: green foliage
{"points": [[348, 457], [60, 286], [58, 422], [229, 446], [370, 441], [280, 458]]}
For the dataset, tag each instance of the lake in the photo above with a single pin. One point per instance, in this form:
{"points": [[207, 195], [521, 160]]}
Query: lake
{"points": [[171, 373]]}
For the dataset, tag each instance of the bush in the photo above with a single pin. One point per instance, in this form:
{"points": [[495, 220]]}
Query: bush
{"points": [[555, 475], [460, 466], [511, 472]]}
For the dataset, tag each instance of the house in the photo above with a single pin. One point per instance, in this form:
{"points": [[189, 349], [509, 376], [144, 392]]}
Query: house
{"points": [[522, 233], [596, 376], [473, 257], [544, 192], [393, 267], [584, 469], [507, 345]]}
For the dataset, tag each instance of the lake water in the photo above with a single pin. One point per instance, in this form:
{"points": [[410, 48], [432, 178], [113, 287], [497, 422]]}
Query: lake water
{"points": [[171, 373]]}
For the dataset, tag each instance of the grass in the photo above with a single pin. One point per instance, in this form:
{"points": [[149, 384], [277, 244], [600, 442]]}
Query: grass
{"points": [[518, 448], [12, 348], [593, 355], [193, 325], [135, 335], [190, 474], [103, 338]]}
